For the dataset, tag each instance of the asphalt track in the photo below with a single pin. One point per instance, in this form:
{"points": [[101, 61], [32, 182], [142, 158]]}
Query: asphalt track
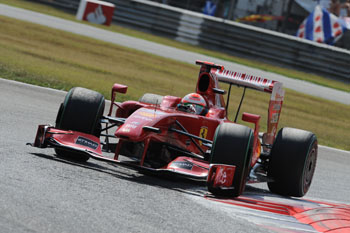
{"points": [[169, 52], [41, 193]]}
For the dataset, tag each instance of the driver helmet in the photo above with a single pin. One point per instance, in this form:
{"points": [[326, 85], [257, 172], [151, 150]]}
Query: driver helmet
{"points": [[193, 103]]}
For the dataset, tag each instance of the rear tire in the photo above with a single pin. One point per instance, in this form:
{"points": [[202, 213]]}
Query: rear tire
{"points": [[81, 111], [232, 145], [293, 162], [149, 98]]}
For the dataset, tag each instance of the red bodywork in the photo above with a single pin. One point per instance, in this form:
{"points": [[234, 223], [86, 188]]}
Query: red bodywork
{"points": [[149, 127]]}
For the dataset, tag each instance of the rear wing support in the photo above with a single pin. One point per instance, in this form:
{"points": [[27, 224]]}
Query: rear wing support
{"points": [[240, 103]]}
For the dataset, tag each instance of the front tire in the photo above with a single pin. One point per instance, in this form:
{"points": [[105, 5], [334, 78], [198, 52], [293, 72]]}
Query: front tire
{"points": [[293, 162], [81, 111], [232, 145]]}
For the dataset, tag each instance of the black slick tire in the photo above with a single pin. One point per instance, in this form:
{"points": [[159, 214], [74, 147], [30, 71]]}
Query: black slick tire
{"points": [[81, 111], [292, 163], [232, 145]]}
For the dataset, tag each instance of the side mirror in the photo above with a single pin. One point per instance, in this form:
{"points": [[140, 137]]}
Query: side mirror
{"points": [[219, 91], [119, 88], [116, 88]]}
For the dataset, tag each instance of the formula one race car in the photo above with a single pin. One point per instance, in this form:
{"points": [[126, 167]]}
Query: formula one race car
{"points": [[190, 137]]}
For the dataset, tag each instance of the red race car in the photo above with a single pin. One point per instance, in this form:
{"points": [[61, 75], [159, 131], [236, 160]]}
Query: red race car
{"points": [[190, 137]]}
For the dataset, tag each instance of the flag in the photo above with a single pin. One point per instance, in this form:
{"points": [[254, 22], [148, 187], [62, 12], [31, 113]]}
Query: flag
{"points": [[321, 26]]}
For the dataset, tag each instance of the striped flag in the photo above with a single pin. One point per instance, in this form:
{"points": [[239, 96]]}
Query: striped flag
{"points": [[321, 26]]}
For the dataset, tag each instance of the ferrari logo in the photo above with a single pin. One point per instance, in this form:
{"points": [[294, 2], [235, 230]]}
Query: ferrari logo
{"points": [[203, 133]]}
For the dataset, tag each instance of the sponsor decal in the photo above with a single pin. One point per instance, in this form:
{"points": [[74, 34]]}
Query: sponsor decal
{"points": [[149, 113], [244, 77], [222, 179], [86, 142], [203, 133], [126, 130], [277, 107], [274, 130], [130, 126], [142, 118], [221, 175], [274, 118], [182, 164], [277, 92]]}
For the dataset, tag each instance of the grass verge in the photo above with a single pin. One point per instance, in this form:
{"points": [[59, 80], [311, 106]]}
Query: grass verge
{"points": [[252, 63], [48, 57]]}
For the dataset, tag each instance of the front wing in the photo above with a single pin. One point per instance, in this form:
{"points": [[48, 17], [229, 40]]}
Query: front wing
{"points": [[185, 167]]}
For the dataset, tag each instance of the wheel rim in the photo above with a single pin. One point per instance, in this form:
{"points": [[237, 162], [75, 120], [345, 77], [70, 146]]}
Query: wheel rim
{"points": [[309, 168]]}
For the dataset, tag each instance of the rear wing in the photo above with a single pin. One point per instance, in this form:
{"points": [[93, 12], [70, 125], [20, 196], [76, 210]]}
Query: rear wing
{"points": [[244, 80], [219, 73], [236, 78]]}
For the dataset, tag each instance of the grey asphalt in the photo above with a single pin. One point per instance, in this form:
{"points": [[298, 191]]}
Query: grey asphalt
{"points": [[169, 52], [41, 193]]}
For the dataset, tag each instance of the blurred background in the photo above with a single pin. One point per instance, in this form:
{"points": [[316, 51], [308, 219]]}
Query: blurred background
{"points": [[277, 15]]}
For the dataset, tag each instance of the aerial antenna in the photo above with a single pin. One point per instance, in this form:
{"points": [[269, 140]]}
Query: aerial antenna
{"points": [[155, 108], [228, 97], [240, 104]]}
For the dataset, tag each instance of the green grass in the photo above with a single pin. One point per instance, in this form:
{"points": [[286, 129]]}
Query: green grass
{"points": [[252, 63], [47, 57]]}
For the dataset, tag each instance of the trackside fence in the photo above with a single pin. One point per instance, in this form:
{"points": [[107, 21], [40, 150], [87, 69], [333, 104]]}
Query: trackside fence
{"points": [[227, 36]]}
